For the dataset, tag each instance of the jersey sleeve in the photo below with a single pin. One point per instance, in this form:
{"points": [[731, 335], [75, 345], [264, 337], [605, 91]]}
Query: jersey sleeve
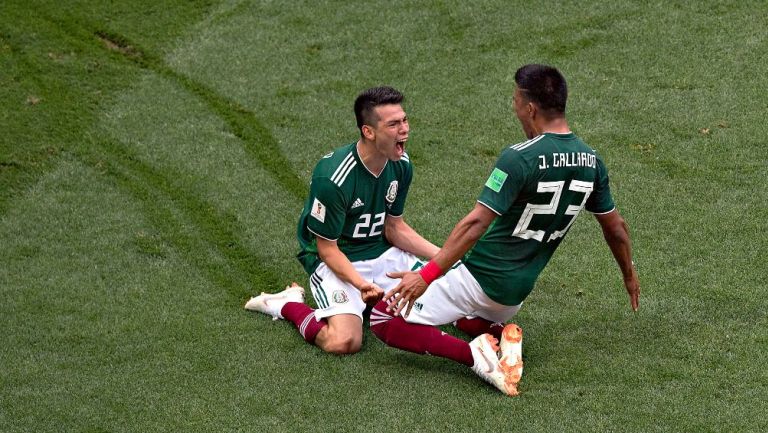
{"points": [[600, 201], [504, 183], [326, 217], [398, 206]]}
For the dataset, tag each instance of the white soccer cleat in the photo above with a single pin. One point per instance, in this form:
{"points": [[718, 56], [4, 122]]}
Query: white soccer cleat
{"points": [[272, 303], [512, 353], [485, 353]]}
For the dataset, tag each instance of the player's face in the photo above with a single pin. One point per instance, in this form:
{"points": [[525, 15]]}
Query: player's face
{"points": [[391, 131], [524, 111]]}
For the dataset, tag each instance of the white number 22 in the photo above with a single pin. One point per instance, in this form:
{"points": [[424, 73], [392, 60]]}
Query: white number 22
{"points": [[365, 221]]}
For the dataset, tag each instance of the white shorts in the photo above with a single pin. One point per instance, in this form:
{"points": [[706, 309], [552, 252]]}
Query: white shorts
{"points": [[334, 296], [455, 295]]}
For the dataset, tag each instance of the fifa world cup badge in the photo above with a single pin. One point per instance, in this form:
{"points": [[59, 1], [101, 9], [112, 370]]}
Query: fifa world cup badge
{"points": [[318, 210]]}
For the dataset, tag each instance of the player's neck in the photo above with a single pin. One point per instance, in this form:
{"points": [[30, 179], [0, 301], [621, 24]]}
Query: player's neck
{"points": [[554, 126], [373, 161]]}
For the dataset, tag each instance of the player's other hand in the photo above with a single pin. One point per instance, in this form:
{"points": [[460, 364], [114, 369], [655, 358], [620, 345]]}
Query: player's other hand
{"points": [[371, 293], [632, 284], [411, 287]]}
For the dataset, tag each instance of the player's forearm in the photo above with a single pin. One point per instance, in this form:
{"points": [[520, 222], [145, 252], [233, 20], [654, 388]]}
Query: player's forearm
{"points": [[617, 237], [416, 245], [340, 265], [463, 237], [403, 236]]}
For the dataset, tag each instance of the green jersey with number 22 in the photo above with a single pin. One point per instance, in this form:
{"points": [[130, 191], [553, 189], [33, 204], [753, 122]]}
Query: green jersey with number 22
{"points": [[348, 204], [537, 189]]}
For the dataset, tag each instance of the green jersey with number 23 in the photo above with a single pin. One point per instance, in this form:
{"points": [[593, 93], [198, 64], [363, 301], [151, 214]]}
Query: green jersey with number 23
{"points": [[348, 204], [537, 189]]}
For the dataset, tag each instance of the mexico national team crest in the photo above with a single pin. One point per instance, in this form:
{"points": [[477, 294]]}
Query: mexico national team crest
{"points": [[391, 192], [340, 297]]}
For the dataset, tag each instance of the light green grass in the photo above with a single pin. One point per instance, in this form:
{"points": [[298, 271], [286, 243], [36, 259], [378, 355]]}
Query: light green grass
{"points": [[154, 160]]}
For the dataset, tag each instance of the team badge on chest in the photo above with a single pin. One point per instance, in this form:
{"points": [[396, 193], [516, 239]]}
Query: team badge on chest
{"points": [[391, 192]]}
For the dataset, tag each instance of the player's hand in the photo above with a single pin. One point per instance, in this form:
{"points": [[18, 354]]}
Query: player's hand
{"points": [[411, 287], [371, 293], [632, 284]]}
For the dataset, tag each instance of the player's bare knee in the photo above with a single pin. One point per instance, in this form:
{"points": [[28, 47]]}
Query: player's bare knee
{"points": [[342, 343], [345, 345]]}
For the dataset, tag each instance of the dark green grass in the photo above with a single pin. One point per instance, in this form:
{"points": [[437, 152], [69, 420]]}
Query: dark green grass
{"points": [[154, 159]]}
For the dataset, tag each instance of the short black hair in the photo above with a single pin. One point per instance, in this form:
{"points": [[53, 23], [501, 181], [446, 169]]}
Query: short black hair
{"points": [[544, 86], [369, 99]]}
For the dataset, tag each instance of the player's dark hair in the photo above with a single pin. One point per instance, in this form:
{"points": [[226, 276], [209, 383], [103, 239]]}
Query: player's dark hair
{"points": [[369, 99], [544, 86]]}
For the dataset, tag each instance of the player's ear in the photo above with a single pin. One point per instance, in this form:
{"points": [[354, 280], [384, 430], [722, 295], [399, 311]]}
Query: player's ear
{"points": [[531, 109], [368, 132]]}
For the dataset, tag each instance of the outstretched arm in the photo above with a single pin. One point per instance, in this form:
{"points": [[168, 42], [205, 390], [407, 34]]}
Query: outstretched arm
{"points": [[403, 236], [463, 237], [616, 233]]}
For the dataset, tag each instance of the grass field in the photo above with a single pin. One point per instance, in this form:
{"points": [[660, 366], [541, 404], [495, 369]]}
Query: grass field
{"points": [[154, 159]]}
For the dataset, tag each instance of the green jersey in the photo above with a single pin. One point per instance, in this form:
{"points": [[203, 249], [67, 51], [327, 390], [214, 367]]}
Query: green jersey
{"points": [[537, 189], [348, 204]]}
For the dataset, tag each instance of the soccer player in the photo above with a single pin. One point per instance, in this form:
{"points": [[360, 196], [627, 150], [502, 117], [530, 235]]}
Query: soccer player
{"points": [[524, 211], [351, 230]]}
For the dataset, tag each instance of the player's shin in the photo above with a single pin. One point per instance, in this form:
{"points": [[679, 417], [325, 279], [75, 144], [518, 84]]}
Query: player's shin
{"points": [[422, 339], [304, 318], [475, 326]]}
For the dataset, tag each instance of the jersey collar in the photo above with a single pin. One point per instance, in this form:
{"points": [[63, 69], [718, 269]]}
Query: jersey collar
{"points": [[357, 155]]}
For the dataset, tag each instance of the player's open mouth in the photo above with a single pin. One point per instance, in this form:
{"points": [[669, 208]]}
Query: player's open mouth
{"points": [[400, 147]]}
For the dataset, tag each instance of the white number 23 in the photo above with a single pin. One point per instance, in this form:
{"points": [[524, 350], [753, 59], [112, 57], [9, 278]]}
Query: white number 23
{"points": [[522, 231]]}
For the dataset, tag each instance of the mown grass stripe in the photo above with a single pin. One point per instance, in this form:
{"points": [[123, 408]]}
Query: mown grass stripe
{"points": [[213, 227], [256, 138], [30, 141]]}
